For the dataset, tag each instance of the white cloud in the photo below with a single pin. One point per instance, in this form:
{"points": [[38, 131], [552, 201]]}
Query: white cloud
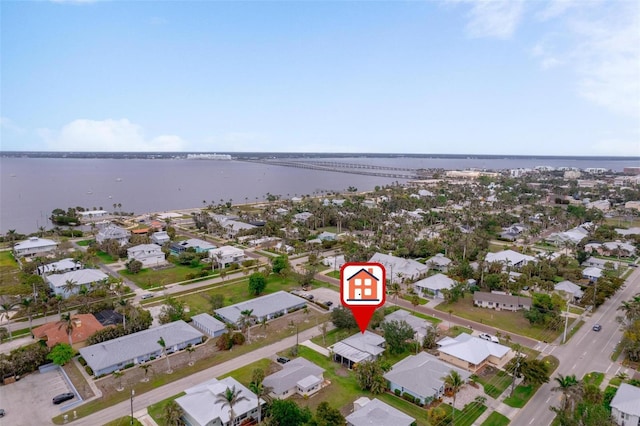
{"points": [[494, 18], [8, 125], [547, 59], [107, 135], [157, 20]]}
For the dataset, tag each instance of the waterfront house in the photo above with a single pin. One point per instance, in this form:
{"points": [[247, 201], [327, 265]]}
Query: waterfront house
{"points": [[149, 255], [34, 246], [113, 232]]}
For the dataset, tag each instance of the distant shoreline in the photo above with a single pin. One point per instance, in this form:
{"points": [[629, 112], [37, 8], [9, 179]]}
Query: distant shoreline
{"points": [[274, 155]]}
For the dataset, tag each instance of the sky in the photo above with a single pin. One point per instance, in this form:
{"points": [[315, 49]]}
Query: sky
{"points": [[557, 77]]}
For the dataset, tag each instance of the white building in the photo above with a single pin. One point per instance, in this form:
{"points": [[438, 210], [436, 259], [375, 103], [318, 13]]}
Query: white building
{"points": [[149, 255], [376, 413], [34, 246], [510, 258], [297, 377], [160, 238], [227, 255], [432, 286], [625, 405], [61, 266], [398, 268], [79, 278], [113, 232]]}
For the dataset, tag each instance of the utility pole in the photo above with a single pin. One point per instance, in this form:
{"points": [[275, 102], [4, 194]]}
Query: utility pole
{"points": [[566, 323], [515, 373], [133, 392]]}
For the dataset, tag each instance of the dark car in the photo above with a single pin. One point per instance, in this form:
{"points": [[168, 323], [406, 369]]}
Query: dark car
{"points": [[59, 399], [283, 359], [2, 412], [597, 327], [329, 303]]}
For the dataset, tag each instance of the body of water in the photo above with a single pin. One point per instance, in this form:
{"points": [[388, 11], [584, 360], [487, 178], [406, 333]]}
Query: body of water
{"points": [[30, 188]]}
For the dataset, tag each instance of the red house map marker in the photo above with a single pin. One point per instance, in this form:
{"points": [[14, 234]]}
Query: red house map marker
{"points": [[363, 289]]}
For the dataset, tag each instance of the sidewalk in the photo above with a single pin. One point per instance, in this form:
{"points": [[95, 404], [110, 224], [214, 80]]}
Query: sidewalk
{"points": [[317, 348]]}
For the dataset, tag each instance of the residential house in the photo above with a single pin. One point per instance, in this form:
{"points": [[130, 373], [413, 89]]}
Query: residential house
{"points": [[592, 273], [297, 377], [472, 353], [302, 217], [198, 245], [264, 307], [363, 286], [160, 238], [398, 269], [92, 214], [439, 262], [572, 236], [432, 286], [360, 347], [376, 413], [573, 290], [600, 263], [334, 262], [419, 325], [327, 236], [618, 248], [232, 227], [203, 406], [226, 255], [61, 266], [113, 232], [136, 348], [34, 246], [84, 325], [208, 325], [501, 301], [149, 255], [82, 277], [625, 405], [510, 258], [422, 376], [512, 232]]}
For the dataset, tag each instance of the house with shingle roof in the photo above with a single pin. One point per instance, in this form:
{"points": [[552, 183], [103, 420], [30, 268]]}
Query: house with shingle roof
{"points": [[421, 376], [398, 268], [299, 376], [500, 301], [269, 306], [570, 288], [113, 232], [472, 353], [592, 273], [625, 405], [439, 262]]}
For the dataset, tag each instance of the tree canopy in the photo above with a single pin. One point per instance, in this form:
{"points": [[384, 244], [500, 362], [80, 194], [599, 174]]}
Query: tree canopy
{"points": [[257, 283]]}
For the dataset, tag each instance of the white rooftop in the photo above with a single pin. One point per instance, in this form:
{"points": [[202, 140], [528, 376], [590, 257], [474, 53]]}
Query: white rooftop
{"points": [[34, 242], [513, 257], [378, 413], [436, 282], [292, 373], [60, 265], [627, 400], [79, 277], [471, 349]]}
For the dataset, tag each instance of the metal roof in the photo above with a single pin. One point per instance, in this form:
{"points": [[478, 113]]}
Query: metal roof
{"points": [[79, 277], [378, 413], [627, 400], [294, 372], [471, 349], [261, 306]]}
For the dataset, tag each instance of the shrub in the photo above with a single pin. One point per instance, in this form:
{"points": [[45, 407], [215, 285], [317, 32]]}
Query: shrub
{"points": [[397, 392], [88, 370], [82, 361], [128, 365], [408, 397]]}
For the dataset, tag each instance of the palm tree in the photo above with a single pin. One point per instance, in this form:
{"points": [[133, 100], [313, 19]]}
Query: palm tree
{"points": [[568, 385], [146, 368], [262, 392], [123, 308], [117, 375], [5, 308], [68, 322], [162, 343], [230, 397], [28, 305], [395, 290], [190, 350], [454, 382], [246, 319], [173, 414], [69, 286]]}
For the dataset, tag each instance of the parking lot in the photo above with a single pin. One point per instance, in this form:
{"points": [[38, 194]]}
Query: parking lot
{"points": [[27, 402], [324, 294]]}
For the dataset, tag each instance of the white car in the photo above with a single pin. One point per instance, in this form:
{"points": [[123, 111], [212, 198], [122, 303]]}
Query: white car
{"points": [[489, 338]]}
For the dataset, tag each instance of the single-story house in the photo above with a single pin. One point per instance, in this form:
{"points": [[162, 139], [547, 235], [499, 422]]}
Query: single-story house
{"points": [[302, 217], [160, 238], [136, 348], [334, 262], [93, 214], [208, 325], [202, 405], [327, 236], [198, 245], [439, 262], [433, 286], [79, 278], [113, 232], [269, 307], [592, 273], [34, 246], [570, 288], [149, 254], [510, 258], [600, 263], [471, 353], [419, 325], [421, 376], [618, 248], [625, 405], [55, 332], [360, 347], [298, 376], [376, 413], [227, 255], [573, 236], [61, 266], [625, 232], [398, 268], [501, 302]]}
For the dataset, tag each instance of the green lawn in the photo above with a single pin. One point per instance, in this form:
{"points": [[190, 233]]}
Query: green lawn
{"points": [[513, 322], [156, 411], [243, 374], [494, 384], [124, 421], [147, 278], [496, 419], [429, 318], [574, 329], [457, 330], [106, 258], [520, 396], [10, 284], [409, 298], [333, 274], [593, 378], [84, 243], [469, 413]]}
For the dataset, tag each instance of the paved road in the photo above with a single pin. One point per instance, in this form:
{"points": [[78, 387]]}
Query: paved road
{"points": [[166, 391], [587, 351]]}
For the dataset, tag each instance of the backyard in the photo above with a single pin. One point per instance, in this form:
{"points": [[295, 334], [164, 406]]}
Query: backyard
{"points": [[10, 273]]}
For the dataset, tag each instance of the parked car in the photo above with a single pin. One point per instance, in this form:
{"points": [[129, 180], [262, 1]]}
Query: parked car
{"points": [[147, 296], [329, 303], [597, 327], [59, 399], [283, 359], [489, 338], [2, 412]]}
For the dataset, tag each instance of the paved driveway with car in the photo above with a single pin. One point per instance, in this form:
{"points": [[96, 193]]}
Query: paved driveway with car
{"points": [[28, 401]]}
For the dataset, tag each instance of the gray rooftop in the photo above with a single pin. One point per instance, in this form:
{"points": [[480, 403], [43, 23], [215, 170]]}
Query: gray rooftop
{"points": [[418, 325], [60, 265], [261, 306], [378, 413], [79, 277], [471, 349], [293, 372], [360, 346], [482, 296], [569, 287], [116, 351], [398, 265], [209, 322], [436, 282], [34, 242], [422, 374], [627, 400]]}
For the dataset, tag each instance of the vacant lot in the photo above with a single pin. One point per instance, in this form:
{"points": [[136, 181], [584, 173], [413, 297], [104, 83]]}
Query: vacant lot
{"points": [[10, 272]]}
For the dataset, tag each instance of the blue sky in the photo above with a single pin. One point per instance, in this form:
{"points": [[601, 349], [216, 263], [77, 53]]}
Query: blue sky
{"points": [[477, 77]]}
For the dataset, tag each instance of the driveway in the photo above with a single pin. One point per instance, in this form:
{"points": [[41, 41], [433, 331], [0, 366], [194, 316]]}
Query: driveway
{"points": [[323, 294], [26, 406]]}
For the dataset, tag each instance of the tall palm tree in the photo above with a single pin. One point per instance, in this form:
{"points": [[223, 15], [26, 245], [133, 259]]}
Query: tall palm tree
{"points": [[246, 320], [230, 397], [118, 376], [69, 286], [262, 392], [5, 308], [568, 385], [454, 382], [68, 322], [173, 414], [190, 350], [28, 306], [146, 368], [162, 343], [123, 307]]}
